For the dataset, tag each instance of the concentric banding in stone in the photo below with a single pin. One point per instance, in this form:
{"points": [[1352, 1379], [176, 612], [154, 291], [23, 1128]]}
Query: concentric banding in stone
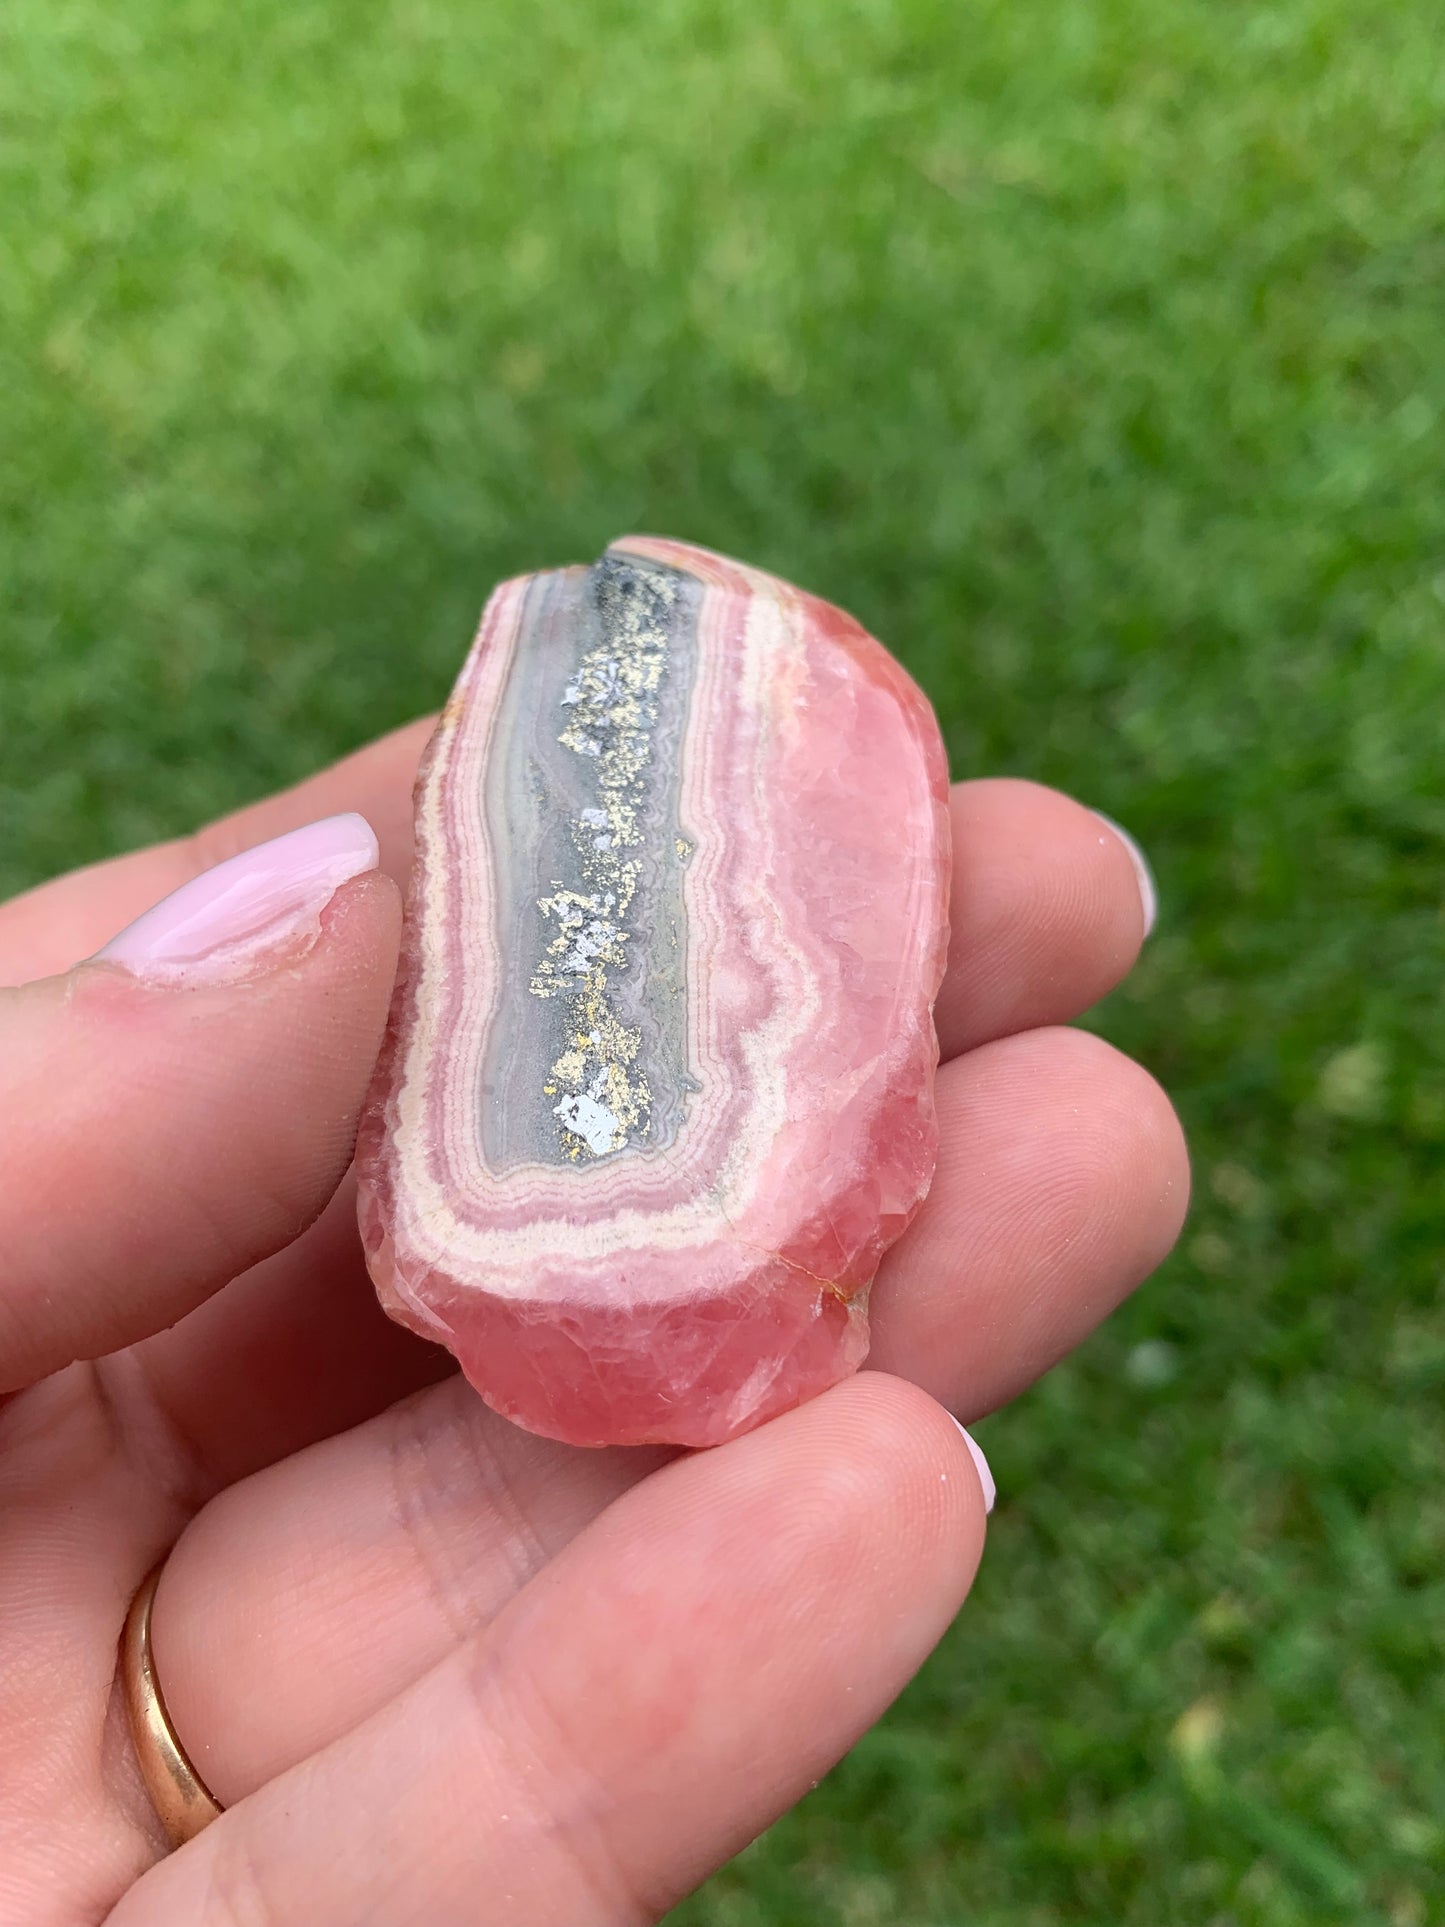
{"points": [[688, 1066]]}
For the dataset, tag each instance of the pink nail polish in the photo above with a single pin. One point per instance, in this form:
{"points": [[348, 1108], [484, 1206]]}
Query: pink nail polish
{"points": [[222, 924], [1143, 874], [980, 1465]]}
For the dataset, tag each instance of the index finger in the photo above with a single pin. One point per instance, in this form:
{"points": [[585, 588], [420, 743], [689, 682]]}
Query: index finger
{"points": [[54, 925], [626, 1722]]}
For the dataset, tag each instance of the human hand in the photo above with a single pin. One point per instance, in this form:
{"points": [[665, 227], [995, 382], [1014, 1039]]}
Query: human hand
{"points": [[436, 1669]]}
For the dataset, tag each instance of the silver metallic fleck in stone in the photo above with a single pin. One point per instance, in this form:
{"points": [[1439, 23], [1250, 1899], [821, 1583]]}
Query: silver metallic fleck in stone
{"points": [[592, 811]]}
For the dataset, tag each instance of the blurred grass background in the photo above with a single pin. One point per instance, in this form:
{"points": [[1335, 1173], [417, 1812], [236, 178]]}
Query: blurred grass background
{"points": [[1091, 351]]}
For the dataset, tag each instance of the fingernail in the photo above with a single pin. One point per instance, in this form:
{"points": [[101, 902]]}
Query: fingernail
{"points": [[217, 927], [1143, 875], [980, 1465]]}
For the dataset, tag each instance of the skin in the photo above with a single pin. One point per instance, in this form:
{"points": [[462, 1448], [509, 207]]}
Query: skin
{"points": [[439, 1670]]}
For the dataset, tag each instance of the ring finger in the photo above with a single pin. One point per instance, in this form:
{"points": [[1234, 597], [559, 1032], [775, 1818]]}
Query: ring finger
{"points": [[1061, 1182]]}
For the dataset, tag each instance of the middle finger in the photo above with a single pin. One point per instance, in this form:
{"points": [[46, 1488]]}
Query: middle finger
{"points": [[1047, 917]]}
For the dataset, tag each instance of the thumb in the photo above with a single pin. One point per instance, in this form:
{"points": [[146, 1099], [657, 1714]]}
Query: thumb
{"points": [[183, 1104]]}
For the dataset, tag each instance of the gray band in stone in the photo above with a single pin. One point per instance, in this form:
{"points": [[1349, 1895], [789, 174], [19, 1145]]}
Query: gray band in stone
{"points": [[588, 1052]]}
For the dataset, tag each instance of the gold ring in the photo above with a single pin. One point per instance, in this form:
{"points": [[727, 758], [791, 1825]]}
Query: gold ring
{"points": [[183, 1802]]}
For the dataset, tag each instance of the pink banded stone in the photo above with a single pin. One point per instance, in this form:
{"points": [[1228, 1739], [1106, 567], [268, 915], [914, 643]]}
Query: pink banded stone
{"points": [[657, 1089]]}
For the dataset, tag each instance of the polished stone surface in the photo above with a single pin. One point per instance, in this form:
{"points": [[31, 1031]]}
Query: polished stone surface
{"points": [[657, 1088]]}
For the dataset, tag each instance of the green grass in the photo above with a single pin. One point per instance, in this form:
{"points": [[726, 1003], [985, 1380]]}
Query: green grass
{"points": [[1091, 351]]}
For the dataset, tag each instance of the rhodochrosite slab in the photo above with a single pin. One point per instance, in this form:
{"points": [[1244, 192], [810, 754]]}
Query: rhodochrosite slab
{"points": [[657, 1090]]}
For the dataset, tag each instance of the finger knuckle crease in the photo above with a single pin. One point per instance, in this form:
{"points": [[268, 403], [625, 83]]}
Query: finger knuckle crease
{"points": [[433, 1457], [530, 1742], [239, 1891]]}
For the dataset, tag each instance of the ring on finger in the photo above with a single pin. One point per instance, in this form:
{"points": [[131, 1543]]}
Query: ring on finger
{"points": [[184, 1804]]}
